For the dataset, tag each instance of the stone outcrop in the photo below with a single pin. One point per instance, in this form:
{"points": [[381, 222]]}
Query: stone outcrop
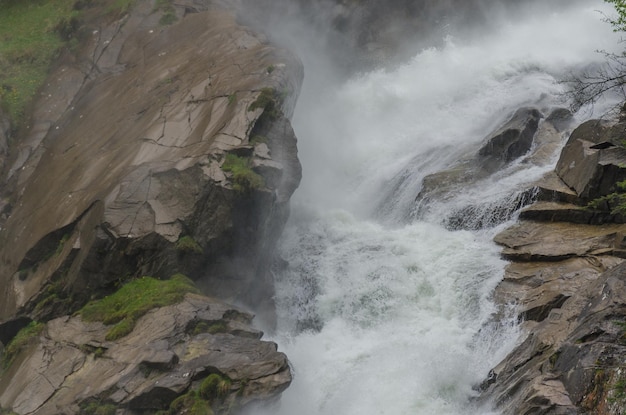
{"points": [[527, 137], [71, 364], [155, 149], [512, 140], [592, 160], [132, 162], [566, 278]]}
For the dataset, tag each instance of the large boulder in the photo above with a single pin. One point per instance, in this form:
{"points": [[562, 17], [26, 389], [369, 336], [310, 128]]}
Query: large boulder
{"points": [[593, 160], [512, 140]]}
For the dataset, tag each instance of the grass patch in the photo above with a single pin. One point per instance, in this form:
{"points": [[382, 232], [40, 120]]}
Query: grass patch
{"points": [[190, 403], [202, 326], [123, 308], [169, 14], [187, 244], [21, 340], [258, 139], [214, 387], [120, 6], [270, 101], [615, 202], [31, 35], [244, 178]]}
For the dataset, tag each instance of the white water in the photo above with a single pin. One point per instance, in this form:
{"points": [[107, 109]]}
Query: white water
{"points": [[389, 316]]}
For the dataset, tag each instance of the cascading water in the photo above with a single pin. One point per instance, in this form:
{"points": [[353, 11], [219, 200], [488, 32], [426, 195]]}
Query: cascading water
{"points": [[380, 314]]}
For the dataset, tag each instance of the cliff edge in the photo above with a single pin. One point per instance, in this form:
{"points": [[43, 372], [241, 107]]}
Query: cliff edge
{"points": [[158, 147]]}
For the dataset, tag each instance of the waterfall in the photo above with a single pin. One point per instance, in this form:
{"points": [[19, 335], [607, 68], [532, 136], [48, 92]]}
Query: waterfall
{"points": [[379, 310]]}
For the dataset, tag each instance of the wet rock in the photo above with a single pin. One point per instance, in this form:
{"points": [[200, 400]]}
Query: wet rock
{"points": [[566, 280], [512, 140], [591, 162], [535, 241], [162, 358], [567, 212], [523, 137], [124, 161]]}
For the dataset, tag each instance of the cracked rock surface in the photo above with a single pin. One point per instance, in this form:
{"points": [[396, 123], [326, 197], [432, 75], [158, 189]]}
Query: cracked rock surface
{"points": [[125, 154], [566, 280], [122, 175], [71, 362]]}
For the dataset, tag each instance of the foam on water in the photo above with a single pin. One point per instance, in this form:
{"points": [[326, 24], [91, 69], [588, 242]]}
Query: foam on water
{"points": [[391, 318]]}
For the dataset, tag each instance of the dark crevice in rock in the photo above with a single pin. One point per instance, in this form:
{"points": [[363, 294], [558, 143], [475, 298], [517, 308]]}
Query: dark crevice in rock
{"points": [[541, 312]]}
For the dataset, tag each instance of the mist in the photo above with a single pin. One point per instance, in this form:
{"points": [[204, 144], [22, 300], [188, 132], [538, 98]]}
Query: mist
{"points": [[381, 312]]}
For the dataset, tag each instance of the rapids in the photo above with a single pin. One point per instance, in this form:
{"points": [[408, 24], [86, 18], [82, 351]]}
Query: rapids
{"points": [[380, 311]]}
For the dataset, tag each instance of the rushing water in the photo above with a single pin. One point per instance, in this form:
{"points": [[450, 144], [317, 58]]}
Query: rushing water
{"points": [[379, 313]]}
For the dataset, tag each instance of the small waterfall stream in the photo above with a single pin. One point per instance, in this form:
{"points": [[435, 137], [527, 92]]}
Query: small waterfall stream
{"points": [[381, 311]]}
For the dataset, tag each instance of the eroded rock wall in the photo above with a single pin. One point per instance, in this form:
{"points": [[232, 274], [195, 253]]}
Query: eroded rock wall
{"points": [[566, 278], [155, 149]]}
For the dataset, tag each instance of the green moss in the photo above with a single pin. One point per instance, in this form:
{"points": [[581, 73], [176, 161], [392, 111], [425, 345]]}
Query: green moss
{"points": [[169, 14], [615, 202], [215, 387], [202, 326], [21, 340], [31, 35], [191, 404], [7, 412], [270, 101], [257, 139], [244, 178], [133, 300], [187, 244]]}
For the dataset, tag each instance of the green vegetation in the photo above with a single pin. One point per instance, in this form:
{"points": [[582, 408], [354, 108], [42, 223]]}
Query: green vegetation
{"points": [[212, 391], [169, 14], [589, 86], [120, 6], [7, 411], [31, 35], [615, 202], [133, 300], [187, 244], [618, 392], [98, 352], [257, 139], [215, 387], [190, 403], [619, 22], [270, 101], [202, 326], [97, 408], [244, 178], [21, 340]]}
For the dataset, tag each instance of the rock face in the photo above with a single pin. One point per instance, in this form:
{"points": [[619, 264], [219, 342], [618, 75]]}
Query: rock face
{"points": [[592, 162], [566, 278], [131, 162], [71, 363], [527, 137], [154, 150], [512, 140]]}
